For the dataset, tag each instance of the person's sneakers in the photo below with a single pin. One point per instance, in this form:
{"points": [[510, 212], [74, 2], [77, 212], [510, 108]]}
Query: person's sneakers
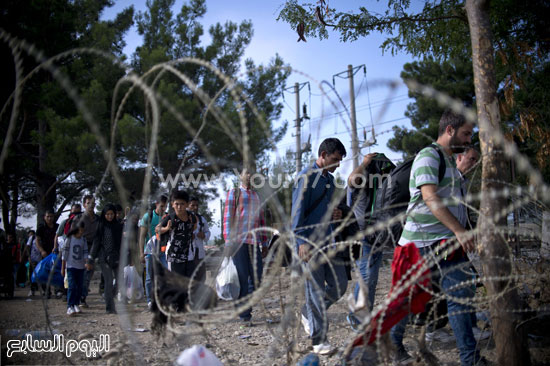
{"points": [[480, 335], [354, 323], [150, 305], [83, 303], [322, 349], [439, 335], [402, 358], [77, 309], [305, 324], [59, 294], [31, 293], [70, 311], [429, 337]]}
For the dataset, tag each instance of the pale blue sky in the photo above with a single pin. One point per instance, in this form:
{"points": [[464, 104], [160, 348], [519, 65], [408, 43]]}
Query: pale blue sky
{"points": [[320, 60]]}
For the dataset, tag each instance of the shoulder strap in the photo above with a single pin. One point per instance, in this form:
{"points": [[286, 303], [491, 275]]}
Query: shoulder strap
{"points": [[442, 165], [199, 220], [237, 197], [150, 217]]}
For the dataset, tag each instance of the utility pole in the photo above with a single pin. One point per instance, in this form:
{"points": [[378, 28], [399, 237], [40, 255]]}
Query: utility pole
{"points": [[353, 118], [354, 140], [296, 90], [298, 130]]}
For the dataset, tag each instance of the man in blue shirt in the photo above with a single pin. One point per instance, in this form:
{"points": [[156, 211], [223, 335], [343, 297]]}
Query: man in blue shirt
{"points": [[312, 213]]}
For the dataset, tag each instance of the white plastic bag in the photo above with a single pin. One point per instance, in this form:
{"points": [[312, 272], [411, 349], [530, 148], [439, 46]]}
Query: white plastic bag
{"points": [[227, 281], [134, 285], [197, 356]]}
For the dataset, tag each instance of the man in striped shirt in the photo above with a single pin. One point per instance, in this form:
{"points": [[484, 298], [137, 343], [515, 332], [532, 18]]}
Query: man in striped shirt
{"points": [[435, 214], [242, 219]]}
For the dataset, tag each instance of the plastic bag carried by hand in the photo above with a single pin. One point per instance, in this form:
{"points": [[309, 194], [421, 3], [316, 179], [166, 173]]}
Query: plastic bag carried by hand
{"points": [[134, 285], [41, 272], [227, 281]]}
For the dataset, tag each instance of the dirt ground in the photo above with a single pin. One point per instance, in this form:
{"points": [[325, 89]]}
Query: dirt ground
{"points": [[230, 341]]}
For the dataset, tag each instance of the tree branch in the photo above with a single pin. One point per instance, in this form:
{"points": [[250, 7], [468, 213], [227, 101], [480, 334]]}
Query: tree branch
{"points": [[68, 199], [56, 183]]}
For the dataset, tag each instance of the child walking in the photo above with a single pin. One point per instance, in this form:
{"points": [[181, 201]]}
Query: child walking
{"points": [[74, 256]]}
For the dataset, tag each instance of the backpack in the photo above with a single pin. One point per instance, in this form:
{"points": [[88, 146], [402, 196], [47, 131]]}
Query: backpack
{"points": [[362, 199], [393, 199], [69, 223], [199, 220]]}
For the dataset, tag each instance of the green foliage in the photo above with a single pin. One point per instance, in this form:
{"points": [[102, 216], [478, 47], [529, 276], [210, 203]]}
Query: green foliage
{"points": [[53, 155], [439, 32], [453, 77], [219, 146], [428, 31]]}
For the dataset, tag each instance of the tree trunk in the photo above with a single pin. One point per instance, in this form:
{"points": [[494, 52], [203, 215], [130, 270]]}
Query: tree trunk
{"points": [[5, 209], [496, 255], [44, 199], [14, 203]]}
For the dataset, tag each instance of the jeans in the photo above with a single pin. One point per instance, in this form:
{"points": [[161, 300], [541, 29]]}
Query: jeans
{"points": [[369, 266], [452, 272], [243, 260], [109, 274], [149, 273], [327, 284], [75, 277]]}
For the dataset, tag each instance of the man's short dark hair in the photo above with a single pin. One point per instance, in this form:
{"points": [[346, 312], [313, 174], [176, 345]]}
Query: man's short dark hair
{"points": [[449, 118], [75, 205], [162, 198], [250, 167], [180, 195], [118, 207], [332, 145], [193, 198], [471, 147], [87, 197], [49, 211]]}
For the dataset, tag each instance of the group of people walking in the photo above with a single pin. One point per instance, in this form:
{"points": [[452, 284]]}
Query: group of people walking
{"points": [[436, 213]]}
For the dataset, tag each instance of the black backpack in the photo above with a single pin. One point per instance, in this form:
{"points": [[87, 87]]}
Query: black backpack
{"points": [[393, 199]]}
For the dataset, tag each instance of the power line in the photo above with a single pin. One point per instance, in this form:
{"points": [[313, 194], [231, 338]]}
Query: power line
{"points": [[347, 132]]}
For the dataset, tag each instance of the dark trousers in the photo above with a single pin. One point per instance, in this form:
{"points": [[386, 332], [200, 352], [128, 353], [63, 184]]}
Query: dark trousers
{"points": [[185, 269], [34, 285], [75, 278], [109, 274], [87, 279], [248, 278]]}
